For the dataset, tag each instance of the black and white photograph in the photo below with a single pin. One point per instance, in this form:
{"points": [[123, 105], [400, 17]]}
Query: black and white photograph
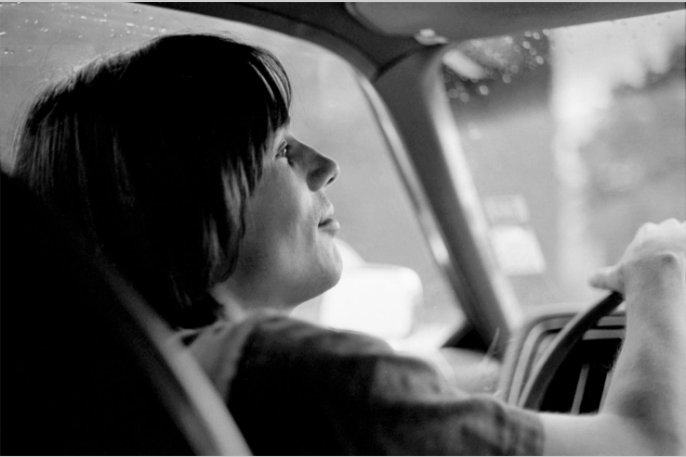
{"points": [[362, 228]]}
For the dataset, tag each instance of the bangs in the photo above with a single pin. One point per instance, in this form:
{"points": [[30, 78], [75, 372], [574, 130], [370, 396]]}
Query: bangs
{"points": [[278, 92]]}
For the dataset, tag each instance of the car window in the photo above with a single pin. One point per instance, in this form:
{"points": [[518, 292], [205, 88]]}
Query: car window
{"points": [[574, 137], [391, 285]]}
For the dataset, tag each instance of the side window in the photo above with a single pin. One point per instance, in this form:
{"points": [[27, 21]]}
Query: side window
{"points": [[391, 285]]}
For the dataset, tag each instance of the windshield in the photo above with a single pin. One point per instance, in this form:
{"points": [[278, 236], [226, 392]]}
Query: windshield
{"points": [[574, 137]]}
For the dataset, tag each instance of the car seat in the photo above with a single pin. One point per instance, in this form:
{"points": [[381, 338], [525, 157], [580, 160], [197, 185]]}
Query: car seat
{"points": [[87, 368]]}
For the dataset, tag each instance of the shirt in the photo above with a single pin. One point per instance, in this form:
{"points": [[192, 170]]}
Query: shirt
{"points": [[296, 388]]}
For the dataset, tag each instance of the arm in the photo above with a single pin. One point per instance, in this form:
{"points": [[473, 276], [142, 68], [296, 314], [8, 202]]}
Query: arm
{"points": [[645, 409]]}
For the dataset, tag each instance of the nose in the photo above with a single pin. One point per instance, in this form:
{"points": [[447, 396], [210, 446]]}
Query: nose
{"points": [[321, 170]]}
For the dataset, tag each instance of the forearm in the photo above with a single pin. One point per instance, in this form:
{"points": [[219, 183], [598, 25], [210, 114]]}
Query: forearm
{"points": [[647, 390]]}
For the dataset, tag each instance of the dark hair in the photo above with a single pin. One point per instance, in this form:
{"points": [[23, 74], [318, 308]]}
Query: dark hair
{"points": [[153, 153]]}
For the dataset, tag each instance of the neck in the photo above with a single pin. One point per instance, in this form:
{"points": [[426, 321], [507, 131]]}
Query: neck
{"points": [[239, 305]]}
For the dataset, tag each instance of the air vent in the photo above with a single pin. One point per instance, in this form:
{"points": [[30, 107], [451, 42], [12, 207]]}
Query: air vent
{"points": [[581, 383]]}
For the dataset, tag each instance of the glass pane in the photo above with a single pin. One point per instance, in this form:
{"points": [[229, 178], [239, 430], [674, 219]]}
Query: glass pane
{"points": [[574, 136], [391, 285]]}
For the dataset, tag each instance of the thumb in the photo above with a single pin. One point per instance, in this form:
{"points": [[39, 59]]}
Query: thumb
{"points": [[607, 278]]}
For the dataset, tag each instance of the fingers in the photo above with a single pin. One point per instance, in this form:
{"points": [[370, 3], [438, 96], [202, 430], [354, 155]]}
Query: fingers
{"points": [[651, 239], [671, 223], [608, 278], [650, 234]]}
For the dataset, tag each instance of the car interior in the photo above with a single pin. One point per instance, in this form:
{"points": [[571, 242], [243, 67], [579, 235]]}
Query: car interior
{"points": [[89, 369]]}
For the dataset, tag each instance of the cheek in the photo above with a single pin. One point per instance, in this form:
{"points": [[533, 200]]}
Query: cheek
{"points": [[278, 211], [276, 220]]}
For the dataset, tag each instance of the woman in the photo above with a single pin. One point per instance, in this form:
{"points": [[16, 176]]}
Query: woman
{"points": [[176, 163], [154, 157]]}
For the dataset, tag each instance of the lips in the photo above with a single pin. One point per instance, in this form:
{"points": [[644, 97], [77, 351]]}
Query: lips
{"points": [[328, 223]]}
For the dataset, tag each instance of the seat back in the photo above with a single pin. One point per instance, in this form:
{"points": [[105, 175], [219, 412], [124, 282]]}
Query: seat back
{"points": [[87, 367]]}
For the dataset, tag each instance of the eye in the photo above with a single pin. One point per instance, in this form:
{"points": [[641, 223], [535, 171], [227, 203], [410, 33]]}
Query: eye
{"points": [[282, 152]]}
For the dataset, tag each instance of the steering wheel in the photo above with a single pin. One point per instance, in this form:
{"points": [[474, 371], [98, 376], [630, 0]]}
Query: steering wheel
{"points": [[556, 353]]}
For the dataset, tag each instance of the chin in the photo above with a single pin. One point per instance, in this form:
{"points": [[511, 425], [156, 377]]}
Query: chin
{"points": [[329, 279], [322, 278], [336, 268], [335, 277], [321, 282]]}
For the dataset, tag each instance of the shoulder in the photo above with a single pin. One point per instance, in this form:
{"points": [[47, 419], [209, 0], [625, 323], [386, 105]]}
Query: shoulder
{"points": [[283, 334], [272, 343]]}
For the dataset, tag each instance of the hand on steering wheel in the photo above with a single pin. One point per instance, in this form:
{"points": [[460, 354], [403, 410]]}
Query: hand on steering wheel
{"points": [[651, 240]]}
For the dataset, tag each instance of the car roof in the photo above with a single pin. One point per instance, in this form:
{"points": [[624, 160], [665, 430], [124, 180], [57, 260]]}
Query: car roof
{"points": [[374, 35]]}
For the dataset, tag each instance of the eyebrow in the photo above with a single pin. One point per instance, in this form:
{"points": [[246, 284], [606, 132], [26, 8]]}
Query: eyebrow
{"points": [[282, 133]]}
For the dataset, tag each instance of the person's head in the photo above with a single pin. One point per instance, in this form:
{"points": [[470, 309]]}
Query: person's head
{"points": [[160, 156]]}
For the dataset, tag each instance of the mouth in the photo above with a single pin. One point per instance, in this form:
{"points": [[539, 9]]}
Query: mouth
{"points": [[329, 224]]}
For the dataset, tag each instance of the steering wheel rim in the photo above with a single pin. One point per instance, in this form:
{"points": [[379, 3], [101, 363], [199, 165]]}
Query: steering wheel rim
{"points": [[550, 361]]}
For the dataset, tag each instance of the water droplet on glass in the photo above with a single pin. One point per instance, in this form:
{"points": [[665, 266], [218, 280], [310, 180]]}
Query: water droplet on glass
{"points": [[151, 18], [80, 37], [540, 60], [29, 49], [130, 24], [527, 34], [537, 36], [3, 33], [128, 32], [163, 30], [44, 29], [7, 51], [85, 18], [136, 10], [26, 21], [464, 97], [507, 78], [35, 21], [483, 90], [526, 45]]}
